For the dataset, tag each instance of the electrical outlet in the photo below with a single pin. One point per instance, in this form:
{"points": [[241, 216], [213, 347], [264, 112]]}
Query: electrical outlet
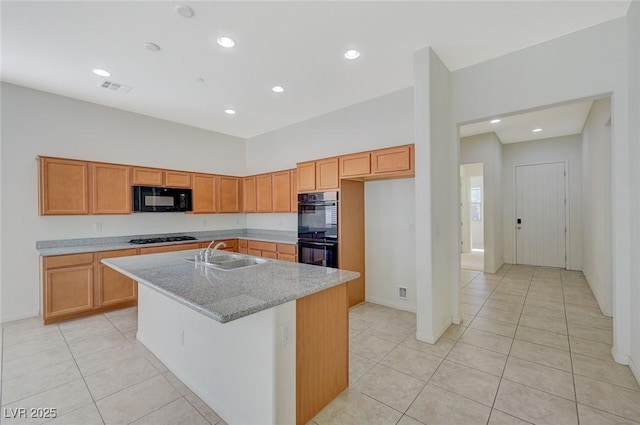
{"points": [[97, 227], [402, 292], [285, 333]]}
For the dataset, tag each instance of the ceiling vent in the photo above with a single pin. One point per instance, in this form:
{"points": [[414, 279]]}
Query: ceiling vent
{"points": [[110, 85]]}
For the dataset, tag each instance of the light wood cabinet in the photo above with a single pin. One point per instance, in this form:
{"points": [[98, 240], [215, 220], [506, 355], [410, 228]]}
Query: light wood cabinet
{"points": [[264, 193], [232, 245], [392, 160], [204, 193], [228, 194], [114, 287], [281, 191], [249, 194], [358, 164], [243, 246], [306, 176], [169, 248], [64, 186], [287, 252], [142, 176], [294, 191], [110, 189], [67, 285], [327, 174], [179, 179]]}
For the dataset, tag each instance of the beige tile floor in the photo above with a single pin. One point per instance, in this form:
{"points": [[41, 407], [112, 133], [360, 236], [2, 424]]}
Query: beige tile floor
{"points": [[93, 371], [533, 348]]}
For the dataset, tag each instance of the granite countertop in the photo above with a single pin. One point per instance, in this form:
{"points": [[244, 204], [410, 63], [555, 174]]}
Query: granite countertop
{"points": [[78, 246], [227, 295]]}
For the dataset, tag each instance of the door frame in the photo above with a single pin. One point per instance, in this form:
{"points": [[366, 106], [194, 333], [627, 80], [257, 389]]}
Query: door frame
{"points": [[567, 210]]}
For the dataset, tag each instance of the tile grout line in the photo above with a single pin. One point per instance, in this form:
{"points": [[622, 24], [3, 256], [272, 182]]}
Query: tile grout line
{"points": [[573, 375]]}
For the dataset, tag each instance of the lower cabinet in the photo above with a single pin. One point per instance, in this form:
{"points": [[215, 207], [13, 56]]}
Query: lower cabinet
{"points": [[276, 251], [169, 248], [232, 245], [113, 287]]}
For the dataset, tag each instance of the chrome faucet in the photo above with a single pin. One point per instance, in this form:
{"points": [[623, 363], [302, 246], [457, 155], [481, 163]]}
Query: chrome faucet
{"points": [[206, 253]]}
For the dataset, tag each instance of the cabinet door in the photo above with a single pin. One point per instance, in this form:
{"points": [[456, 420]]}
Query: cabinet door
{"points": [[281, 191], [358, 164], [204, 196], [68, 290], [391, 160], [249, 194], [64, 186], [114, 287], [270, 254], [264, 193], [327, 174], [228, 194], [110, 189], [287, 257], [256, 252], [294, 191], [147, 177], [307, 176], [177, 179]]}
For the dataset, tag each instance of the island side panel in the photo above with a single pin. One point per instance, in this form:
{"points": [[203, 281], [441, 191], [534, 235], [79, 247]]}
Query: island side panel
{"points": [[240, 369], [322, 350]]}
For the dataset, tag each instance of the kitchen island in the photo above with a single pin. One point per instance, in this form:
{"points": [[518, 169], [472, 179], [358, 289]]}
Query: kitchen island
{"points": [[264, 344]]}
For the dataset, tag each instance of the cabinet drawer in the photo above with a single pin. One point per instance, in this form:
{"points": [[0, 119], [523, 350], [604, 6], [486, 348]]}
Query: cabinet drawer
{"points": [[232, 244], [285, 248], [287, 257], [358, 164], [116, 253], [269, 254], [392, 159], [255, 252], [169, 248], [263, 246], [68, 260]]}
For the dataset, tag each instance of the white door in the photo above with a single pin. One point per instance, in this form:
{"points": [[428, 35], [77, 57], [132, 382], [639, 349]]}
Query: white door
{"points": [[540, 215]]}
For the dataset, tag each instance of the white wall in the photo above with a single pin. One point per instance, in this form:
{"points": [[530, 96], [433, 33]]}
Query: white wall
{"points": [[38, 123], [390, 242], [557, 149], [477, 227], [487, 149], [436, 189], [634, 135], [583, 64], [596, 203]]}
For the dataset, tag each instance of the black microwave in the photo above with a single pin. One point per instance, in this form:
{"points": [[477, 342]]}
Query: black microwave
{"points": [[161, 199]]}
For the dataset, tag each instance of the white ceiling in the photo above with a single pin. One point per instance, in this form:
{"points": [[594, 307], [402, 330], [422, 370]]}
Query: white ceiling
{"points": [[53, 46], [557, 121]]}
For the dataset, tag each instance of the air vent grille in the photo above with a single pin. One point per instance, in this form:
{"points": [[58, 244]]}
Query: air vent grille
{"points": [[117, 87]]}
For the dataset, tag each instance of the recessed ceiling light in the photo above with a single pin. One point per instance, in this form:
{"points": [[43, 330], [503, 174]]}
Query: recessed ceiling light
{"points": [[226, 42], [277, 89], [352, 54], [229, 112], [184, 11], [496, 121], [102, 73], [536, 130], [151, 46]]}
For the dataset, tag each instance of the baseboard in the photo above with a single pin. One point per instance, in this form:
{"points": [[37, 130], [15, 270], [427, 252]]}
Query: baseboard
{"points": [[20, 317], [634, 369], [216, 405], [619, 358], [425, 338], [387, 303]]}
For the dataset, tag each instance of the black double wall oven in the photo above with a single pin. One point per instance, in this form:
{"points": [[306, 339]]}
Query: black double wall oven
{"points": [[318, 228]]}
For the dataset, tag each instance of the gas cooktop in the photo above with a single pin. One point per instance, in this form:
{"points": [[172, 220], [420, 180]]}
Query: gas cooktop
{"points": [[161, 240]]}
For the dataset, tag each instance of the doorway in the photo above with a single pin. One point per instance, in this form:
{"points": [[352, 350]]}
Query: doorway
{"points": [[472, 216], [540, 194]]}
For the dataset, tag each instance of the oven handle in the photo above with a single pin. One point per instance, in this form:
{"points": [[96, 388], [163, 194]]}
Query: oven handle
{"points": [[319, 204], [318, 243]]}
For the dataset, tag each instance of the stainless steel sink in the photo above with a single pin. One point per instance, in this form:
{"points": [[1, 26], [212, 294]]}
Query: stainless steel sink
{"points": [[241, 263], [224, 257]]}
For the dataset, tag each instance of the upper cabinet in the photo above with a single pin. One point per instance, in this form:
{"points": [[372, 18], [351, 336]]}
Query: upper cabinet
{"points": [[264, 193], [249, 194], [228, 194], [110, 189], [204, 193], [358, 164], [64, 186], [294, 190], [147, 176], [281, 191], [392, 160], [318, 175], [177, 179]]}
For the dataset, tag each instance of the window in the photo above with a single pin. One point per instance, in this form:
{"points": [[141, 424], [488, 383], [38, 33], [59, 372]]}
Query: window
{"points": [[476, 203]]}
